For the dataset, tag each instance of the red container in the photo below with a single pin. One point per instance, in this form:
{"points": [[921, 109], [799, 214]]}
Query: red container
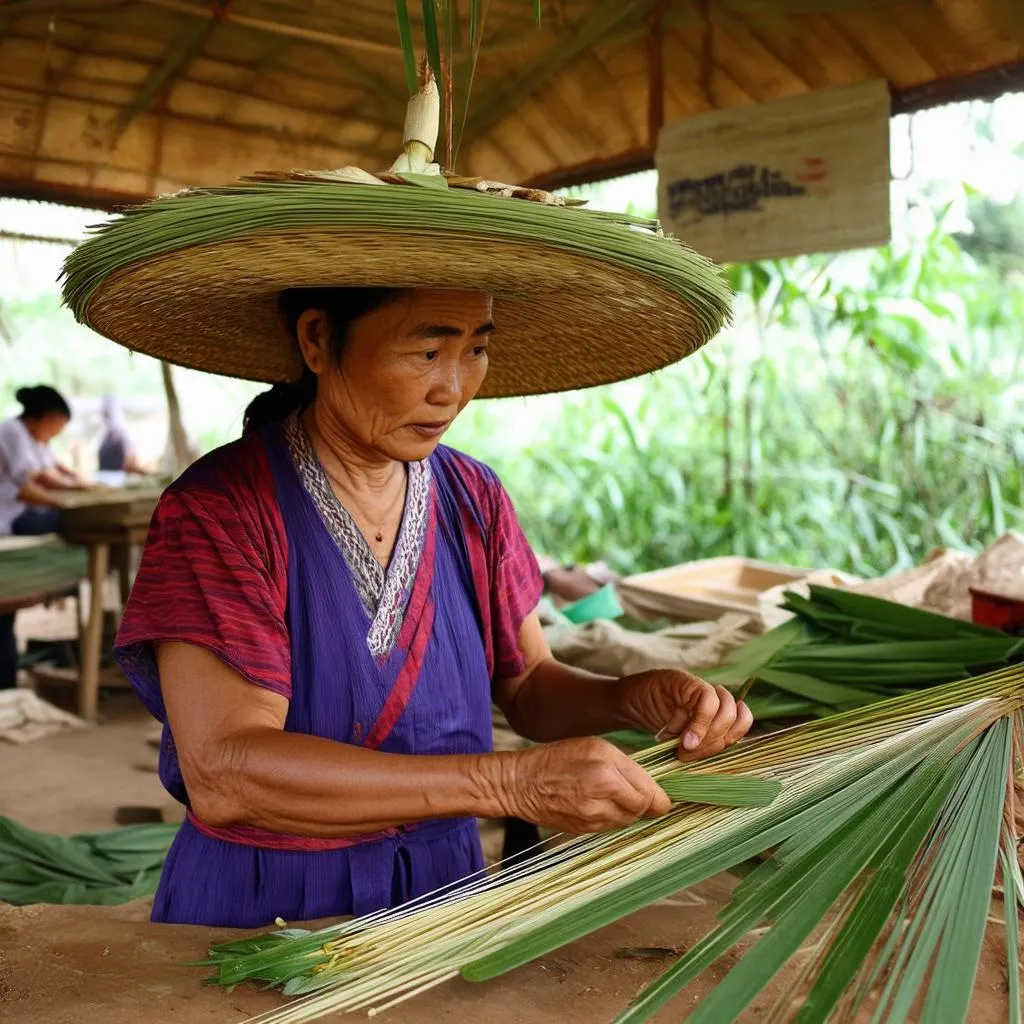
{"points": [[998, 611]]}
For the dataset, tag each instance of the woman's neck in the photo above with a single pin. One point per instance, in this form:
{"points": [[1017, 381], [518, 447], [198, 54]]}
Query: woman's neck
{"points": [[32, 426], [350, 464]]}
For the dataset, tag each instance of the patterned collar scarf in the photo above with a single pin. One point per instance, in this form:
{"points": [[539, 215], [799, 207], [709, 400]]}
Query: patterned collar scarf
{"points": [[384, 592]]}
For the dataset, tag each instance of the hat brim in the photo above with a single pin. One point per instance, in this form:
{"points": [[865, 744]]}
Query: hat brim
{"points": [[565, 318]]}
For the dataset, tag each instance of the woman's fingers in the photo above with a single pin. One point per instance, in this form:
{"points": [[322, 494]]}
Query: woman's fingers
{"points": [[740, 728], [724, 718], [647, 798], [716, 736], [583, 785], [701, 715]]}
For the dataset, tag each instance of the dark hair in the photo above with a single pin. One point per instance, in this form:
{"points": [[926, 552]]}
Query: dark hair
{"points": [[343, 307], [42, 400]]}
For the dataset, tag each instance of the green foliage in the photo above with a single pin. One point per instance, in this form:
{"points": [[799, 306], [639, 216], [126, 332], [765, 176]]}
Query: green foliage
{"points": [[997, 238], [101, 868], [843, 649], [866, 409]]}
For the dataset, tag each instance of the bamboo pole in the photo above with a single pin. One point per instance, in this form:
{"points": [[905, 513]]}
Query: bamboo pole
{"points": [[18, 236], [178, 438]]}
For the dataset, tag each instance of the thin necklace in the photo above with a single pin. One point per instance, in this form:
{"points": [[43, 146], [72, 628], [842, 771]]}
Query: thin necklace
{"points": [[379, 534], [399, 494]]}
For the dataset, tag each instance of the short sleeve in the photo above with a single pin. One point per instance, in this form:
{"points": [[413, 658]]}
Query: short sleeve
{"points": [[515, 584], [23, 456], [45, 457], [213, 574]]}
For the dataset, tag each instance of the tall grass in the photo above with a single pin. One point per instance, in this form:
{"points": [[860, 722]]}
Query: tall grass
{"points": [[865, 409]]}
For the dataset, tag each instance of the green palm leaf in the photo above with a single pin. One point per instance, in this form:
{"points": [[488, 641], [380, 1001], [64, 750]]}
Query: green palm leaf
{"points": [[406, 42], [843, 649], [885, 813], [432, 41]]}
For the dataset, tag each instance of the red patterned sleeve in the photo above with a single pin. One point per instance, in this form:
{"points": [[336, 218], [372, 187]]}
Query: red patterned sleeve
{"points": [[516, 584], [213, 574]]}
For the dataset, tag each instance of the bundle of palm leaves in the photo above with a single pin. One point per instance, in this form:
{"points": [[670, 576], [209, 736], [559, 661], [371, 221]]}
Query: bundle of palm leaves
{"points": [[102, 868], [887, 829], [842, 649]]}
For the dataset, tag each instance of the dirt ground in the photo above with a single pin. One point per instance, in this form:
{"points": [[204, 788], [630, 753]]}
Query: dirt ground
{"points": [[79, 965], [74, 782]]}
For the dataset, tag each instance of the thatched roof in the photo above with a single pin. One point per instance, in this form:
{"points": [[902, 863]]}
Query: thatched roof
{"points": [[107, 100]]}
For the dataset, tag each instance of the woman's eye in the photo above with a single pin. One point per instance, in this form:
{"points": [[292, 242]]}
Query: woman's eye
{"points": [[479, 350], [430, 356]]}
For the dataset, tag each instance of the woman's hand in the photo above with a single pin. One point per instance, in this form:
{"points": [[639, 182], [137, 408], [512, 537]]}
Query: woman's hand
{"points": [[706, 718], [578, 786]]}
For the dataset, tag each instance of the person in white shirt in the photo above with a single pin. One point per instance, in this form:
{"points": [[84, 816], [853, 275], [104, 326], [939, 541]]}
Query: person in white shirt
{"points": [[29, 474]]}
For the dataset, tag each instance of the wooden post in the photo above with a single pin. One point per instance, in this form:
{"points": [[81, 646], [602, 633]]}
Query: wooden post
{"points": [[179, 441], [122, 556], [92, 640]]}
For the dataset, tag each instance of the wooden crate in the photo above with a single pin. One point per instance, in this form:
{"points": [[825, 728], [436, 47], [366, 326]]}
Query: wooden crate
{"points": [[706, 589]]}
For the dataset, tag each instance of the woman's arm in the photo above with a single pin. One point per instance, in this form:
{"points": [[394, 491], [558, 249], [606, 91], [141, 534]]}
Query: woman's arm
{"points": [[55, 478], [551, 701], [65, 478], [241, 768], [34, 492], [133, 464]]}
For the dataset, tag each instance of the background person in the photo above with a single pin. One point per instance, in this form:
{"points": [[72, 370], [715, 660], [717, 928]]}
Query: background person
{"points": [[29, 474], [117, 452]]}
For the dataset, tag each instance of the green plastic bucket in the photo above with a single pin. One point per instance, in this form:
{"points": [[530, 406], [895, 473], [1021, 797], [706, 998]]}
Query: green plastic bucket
{"points": [[602, 604]]}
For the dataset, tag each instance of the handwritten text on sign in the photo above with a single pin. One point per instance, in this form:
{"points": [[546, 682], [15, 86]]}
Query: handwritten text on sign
{"points": [[809, 174]]}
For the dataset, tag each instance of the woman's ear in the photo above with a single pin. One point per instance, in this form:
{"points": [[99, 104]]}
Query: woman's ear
{"points": [[313, 331]]}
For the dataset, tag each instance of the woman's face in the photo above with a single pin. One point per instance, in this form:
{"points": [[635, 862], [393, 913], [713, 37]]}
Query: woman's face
{"points": [[407, 370], [45, 428]]}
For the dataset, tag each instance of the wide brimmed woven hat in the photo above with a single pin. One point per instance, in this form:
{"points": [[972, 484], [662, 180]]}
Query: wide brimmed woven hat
{"points": [[581, 297]]}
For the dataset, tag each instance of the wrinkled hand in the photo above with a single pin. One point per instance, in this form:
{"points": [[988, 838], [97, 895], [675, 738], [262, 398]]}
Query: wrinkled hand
{"points": [[706, 718], [579, 786]]}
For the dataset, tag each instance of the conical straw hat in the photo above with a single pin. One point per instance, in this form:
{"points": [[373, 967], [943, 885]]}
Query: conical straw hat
{"points": [[580, 297]]}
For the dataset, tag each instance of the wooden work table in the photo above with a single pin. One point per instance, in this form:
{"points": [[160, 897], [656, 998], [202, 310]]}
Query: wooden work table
{"points": [[104, 522], [34, 570], [69, 964]]}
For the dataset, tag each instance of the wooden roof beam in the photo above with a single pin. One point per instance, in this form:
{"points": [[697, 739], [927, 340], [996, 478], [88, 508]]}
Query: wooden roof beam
{"points": [[655, 73], [178, 58], [1008, 16], [92, 198], [276, 133], [989, 84], [380, 86], [280, 28], [983, 85], [252, 71], [602, 20]]}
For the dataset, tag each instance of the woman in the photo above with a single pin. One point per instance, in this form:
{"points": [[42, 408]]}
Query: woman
{"points": [[29, 474], [117, 450], [325, 611], [327, 608]]}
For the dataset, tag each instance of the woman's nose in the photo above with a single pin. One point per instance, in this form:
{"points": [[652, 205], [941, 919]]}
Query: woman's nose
{"points": [[446, 387]]}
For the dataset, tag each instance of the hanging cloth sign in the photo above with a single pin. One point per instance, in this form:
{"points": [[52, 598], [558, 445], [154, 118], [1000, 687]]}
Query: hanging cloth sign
{"points": [[801, 175]]}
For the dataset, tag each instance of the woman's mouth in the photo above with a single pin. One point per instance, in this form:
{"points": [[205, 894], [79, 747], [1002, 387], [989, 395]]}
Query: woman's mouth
{"points": [[431, 429]]}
